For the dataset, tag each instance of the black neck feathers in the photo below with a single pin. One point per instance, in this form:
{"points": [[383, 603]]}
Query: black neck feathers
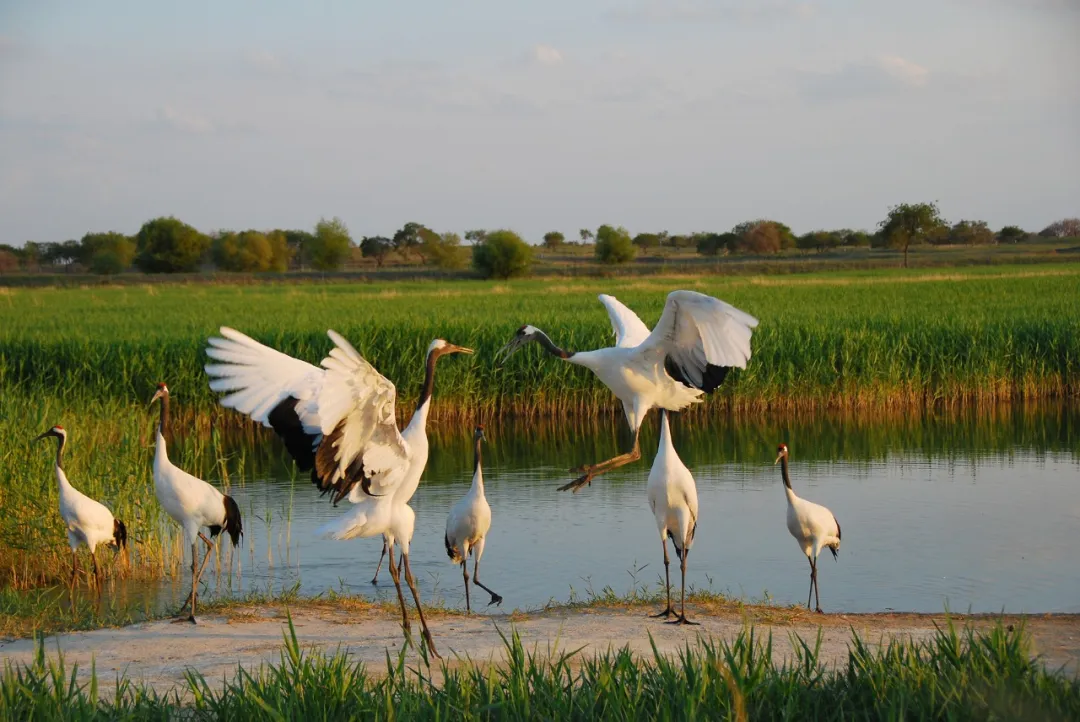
{"points": [[784, 471], [61, 439], [476, 465], [429, 379], [550, 347], [164, 424]]}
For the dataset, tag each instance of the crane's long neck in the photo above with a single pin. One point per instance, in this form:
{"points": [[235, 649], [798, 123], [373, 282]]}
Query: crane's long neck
{"points": [[163, 425], [423, 404], [60, 441], [478, 473], [787, 478], [665, 432], [549, 345]]}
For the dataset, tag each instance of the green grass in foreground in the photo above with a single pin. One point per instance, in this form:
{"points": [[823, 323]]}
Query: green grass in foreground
{"points": [[958, 675], [855, 340]]}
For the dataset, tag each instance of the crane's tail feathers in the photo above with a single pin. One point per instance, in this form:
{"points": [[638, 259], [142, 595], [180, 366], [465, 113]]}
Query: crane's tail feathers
{"points": [[678, 551], [451, 550], [834, 548], [120, 535], [347, 526], [233, 523]]}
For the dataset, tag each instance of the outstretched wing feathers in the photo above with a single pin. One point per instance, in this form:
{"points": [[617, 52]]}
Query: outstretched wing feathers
{"points": [[346, 409], [701, 336], [629, 329]]}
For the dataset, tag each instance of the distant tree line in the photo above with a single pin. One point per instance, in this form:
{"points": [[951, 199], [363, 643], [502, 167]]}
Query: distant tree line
{"points": [[168, 245]]}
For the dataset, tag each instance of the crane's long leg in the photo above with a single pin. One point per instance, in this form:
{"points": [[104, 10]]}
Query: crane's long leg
{"points": [[681, 619], [465, 575], [396, 576], [419, 609], [74, 566], [209, 548], [97, 572], [594, 470], [817, 589], [813, 578], [667, 583], [375, 579], [495, 598]]}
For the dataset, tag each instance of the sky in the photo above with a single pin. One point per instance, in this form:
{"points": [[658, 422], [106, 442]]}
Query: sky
{"points": [[678, 115]]}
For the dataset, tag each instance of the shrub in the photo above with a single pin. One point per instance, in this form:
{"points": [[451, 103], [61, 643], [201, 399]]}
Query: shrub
{"points": [[107, 253], [613, 245], [9, 262], [330, 245], [167, 245], [502, 254]]}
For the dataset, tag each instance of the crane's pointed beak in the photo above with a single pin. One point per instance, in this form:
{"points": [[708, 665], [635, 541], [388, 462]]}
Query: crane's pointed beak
{"points": [[781, 456], [42, 435], [460, 349], [157, 395], [508, 350]]}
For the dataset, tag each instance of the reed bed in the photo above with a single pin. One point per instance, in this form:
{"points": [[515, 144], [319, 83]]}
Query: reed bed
{"points": [[855, 340], [958, 674]]}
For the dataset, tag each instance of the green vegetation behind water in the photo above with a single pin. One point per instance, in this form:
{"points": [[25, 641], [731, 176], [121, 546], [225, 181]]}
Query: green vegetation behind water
{"points": [[854, 340], [960, 675]]}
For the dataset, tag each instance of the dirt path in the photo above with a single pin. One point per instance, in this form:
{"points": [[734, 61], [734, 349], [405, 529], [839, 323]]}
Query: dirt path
{"points": [[159, 652]]}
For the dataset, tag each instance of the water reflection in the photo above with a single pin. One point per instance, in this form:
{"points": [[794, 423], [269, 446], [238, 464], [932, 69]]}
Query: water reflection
{"points": [[980, 510]]}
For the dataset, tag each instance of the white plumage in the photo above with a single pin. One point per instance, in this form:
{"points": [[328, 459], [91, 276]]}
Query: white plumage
{"points": [[673, 500], [338, 421], [88, 521], [813, 526], [467, 526], [697, 340], [191, 502]]}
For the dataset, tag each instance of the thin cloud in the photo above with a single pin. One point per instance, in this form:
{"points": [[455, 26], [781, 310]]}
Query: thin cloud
{"points": [[263, 60], [547, 55], [873, 77], [697, 11], [169, 117]]}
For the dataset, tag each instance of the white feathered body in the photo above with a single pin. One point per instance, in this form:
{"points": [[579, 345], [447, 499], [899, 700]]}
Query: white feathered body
{"points": [[88, 521], [468, 522], [190, 501], [672, 493], [813, 526]]}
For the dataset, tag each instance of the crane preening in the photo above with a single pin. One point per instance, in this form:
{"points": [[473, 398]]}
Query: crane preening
{"points": [[674, 503], [813, 526], [88, 521], [467, 526], [191, 502], [689, 353], [339, 422]]}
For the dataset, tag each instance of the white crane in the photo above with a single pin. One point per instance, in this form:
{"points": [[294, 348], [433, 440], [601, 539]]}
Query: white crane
{"points": [[339, 421], [673, 500], [697, 340], [467, 525], [191, 502], [88, 521], [813, 526]]}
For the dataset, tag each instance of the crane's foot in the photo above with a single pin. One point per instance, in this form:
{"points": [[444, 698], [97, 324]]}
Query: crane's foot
{"points": [[375, 581], [577, 484], [431, 645], [495, 599], [818, 610], [583, 469], [681, 620], [187, 603], [189, 619], [666, 614]]}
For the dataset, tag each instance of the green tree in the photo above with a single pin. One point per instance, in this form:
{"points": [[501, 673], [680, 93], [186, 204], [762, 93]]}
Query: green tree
{"points": [[713, 244], [445, 251], [645, 241], [476, 235], [585, 234], [411, 238], [971, 233], [762, 237], [613, 245], [502, 254], [377, 247], [1012, 234], [250, 251], [298, 242], [168, 245], [281, 253], [553, 239], [107, 253], [909, 224], [330, 246], [1065, 228], [856, 238], [819, 240]]}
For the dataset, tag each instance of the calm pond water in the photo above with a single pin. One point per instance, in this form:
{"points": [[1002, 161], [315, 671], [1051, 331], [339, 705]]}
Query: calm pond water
{"points": [[977, 511]]}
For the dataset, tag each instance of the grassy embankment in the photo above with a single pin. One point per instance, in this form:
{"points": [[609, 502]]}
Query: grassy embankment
{"points": [[882, 342], [956, 675]]}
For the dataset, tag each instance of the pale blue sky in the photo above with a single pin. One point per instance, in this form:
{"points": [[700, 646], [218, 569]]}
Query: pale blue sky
{"points": [[682, 115]]}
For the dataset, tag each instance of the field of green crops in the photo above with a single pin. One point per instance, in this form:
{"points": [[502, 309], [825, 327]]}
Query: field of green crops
{"points": [[857, 343], [960, 675]]}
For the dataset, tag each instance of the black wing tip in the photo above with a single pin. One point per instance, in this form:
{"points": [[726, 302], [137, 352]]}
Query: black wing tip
{"points": [[234, 525], [450, 550], [711, 379], [120, 535], [286, 424], [678, 551], [835, 553]]}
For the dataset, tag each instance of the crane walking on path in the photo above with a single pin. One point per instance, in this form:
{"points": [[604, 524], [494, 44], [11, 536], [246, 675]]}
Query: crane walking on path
{"points": [[339, 421], [813, 526], [674, 503], [689, 353], [467, 525], [192, 503], [88, 521]]}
